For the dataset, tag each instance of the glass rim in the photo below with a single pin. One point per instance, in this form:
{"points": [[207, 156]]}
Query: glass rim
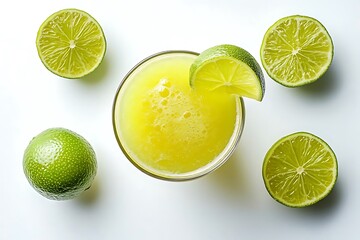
{"points": [[202, 171]]}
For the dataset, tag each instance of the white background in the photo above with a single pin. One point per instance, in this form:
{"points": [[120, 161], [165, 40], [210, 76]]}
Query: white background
{"points": [[124, 203]]}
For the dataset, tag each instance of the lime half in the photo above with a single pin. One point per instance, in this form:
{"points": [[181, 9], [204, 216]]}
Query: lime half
{"points": [[230, 69], [71, 43], [299, 170], [296, 50]]}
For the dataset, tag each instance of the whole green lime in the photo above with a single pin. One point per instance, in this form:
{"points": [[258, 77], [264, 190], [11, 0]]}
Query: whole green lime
{"points": [[60, 164]]}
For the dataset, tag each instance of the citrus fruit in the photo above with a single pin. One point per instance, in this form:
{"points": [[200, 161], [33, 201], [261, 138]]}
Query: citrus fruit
{"points": [[71, 43], [296, 50], [230, 69], [59, 164], [299, 170]]}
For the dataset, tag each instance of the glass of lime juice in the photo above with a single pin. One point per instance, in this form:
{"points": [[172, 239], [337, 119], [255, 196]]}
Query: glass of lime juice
{"points": [[167, 129]]}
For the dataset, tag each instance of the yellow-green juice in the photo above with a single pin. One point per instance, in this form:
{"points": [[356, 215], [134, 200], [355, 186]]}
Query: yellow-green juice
{"points": [[166, 128]]}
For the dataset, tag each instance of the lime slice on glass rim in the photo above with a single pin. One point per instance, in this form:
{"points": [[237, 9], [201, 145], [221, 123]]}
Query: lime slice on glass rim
{"points": [[228, 69], [299, 170], [296, 50], [71, 43]]}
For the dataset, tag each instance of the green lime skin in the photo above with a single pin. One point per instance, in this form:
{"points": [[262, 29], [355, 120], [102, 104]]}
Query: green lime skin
{"points": [[60, 164]]}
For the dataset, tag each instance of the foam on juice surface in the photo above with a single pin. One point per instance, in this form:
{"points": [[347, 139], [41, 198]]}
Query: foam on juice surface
{"points": [[176, 114]]}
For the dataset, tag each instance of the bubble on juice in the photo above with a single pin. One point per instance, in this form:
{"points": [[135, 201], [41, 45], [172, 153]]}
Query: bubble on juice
{"points": [[176, 113], [187, 114], [164, 102], [164, 92]]}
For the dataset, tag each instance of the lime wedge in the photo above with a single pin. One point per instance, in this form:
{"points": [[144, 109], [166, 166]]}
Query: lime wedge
{"points": [[71, 43], [299, 170], [296, 50], [229, 69]]}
